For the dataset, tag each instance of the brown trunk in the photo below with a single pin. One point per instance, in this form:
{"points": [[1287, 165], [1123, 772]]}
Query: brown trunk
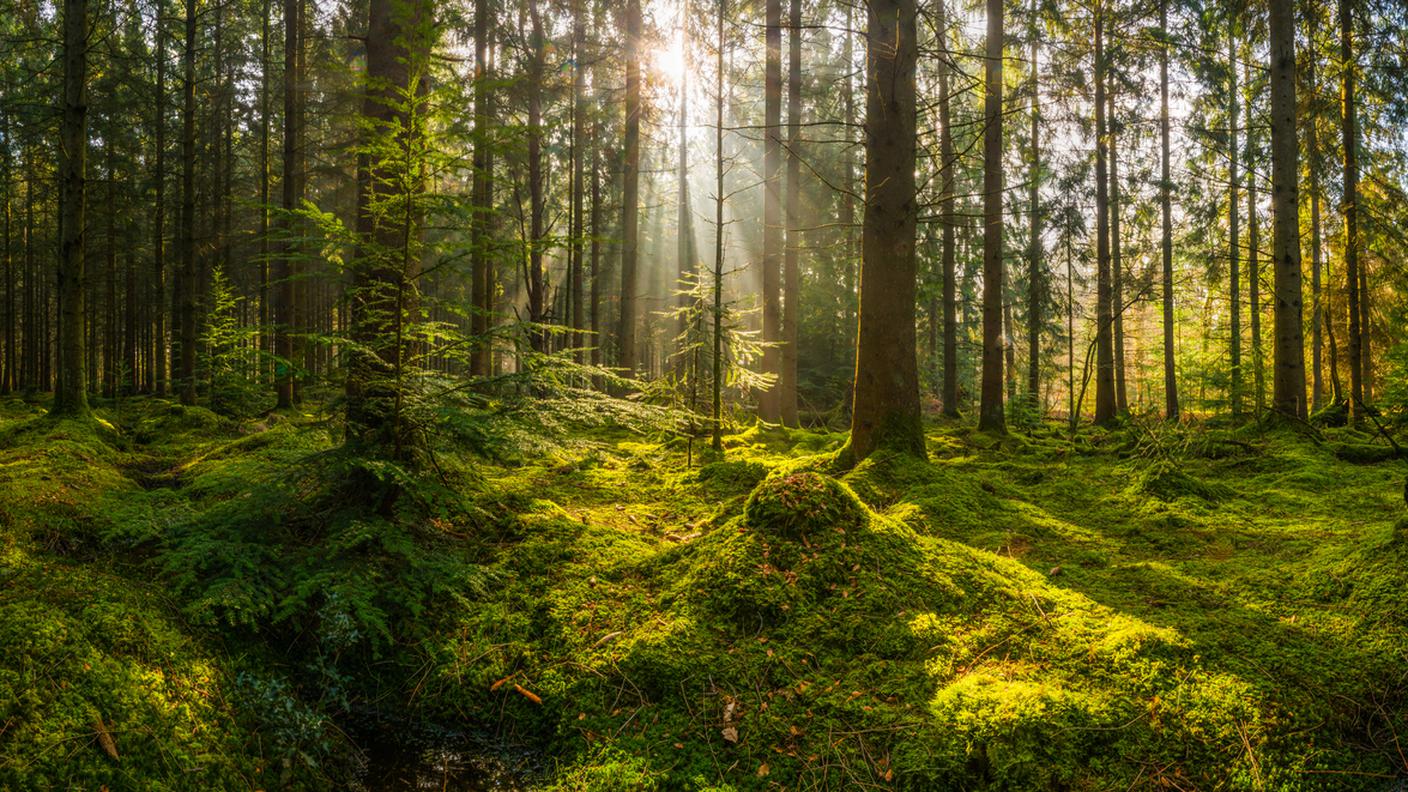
{"points": [[1166, 211], [481, 192], [1350, 129], [770, 401], [1234, 249], [1036, 274], [990, 414], [1288, 382], [1105, 405], [71, 395], [1116, 259], [630, 193], [886, 399], [791, 271], [949, 222]]}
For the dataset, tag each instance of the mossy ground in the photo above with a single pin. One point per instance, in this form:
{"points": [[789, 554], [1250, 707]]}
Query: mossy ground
{"points": [[1194, 609]]}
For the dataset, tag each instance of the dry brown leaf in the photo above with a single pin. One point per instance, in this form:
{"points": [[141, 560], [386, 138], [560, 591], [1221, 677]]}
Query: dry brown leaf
{"points": [[105, 739]]}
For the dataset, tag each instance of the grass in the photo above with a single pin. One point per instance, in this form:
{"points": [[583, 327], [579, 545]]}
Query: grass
{"points": [[1194, 608]]}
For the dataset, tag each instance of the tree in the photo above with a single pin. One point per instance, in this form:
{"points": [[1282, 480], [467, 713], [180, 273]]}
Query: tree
{"points": [[1171, 411], [186, 287], [885, 411], [630, 192], [1105, 404], [1289, 379], [1350, 209], [1234, 250], [481, 197], [791, 269], [390, 179], [770, 401], [990, 415], [71, 395], [949, 222], [291, 192], [1036, 284], [158, 345]]}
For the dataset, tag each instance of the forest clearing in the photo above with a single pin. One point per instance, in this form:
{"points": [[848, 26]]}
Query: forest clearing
{"points": [[703, 395]]}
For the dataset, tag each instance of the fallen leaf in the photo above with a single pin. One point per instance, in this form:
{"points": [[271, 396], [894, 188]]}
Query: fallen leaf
{"points": [[105, 739]]}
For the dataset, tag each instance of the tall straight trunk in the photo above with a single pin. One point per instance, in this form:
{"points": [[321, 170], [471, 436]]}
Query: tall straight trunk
{"points": [[1366, 369], [1350, 210], [1234, 249], [1332, 349], [886, 399], [990, 414], [949, 222], [265, 338], [387, 265], [71, 395], [1254, 255], [7, 376], [158, 330], [1072, 413], [285, 266], [850, 249], [481, 196], [537, 201], [1288, 382], [1171, 411], [1036, 275], [770, 401], [791, 270], [186, 286], [1105, 405], [630, 193], [717, 424], [1317, 296], [686, 257], [579, 171], [1116, 258]]}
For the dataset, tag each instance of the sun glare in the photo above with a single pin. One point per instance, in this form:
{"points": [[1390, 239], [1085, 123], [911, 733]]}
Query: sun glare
{"points": [[668, 62]]}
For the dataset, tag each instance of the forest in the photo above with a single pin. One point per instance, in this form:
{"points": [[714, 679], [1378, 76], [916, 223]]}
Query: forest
{"points": [[703, 395]]}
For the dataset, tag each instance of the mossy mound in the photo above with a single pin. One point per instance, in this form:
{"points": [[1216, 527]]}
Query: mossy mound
{"points": [[801, 505], [1168, 482], [100, 689]]}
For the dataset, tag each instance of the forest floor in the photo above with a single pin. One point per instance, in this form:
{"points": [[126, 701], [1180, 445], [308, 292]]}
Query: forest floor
{"points": [[189, 601]]}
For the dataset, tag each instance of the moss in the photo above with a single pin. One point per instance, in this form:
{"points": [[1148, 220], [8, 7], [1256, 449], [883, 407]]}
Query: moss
{"points": [[1364, 453], [1169, 482]]}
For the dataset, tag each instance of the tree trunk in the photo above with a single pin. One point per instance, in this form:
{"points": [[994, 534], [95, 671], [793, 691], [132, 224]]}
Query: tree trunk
{"points": [[71, 395], [481, 196], [1289, 379], [399, 40], [1350, 210], [770, 401], [1234, 250], [285, 265], [186, 283], [1105, 405], [886, 399], [537, 202], [1036, 278], [990, 415], [1116, 258], [716, 426], [1254, 255], [159, 349], [791, 273], [630, 192], [949, 222], [579, 172], [1171, 411]]}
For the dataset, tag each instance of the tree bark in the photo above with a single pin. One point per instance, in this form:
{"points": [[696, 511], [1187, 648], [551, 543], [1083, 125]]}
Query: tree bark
{"points": [[481, 193], [1234, 250], [949, 222], [187, 286], [886, 398], [1350, 209], [1289, 380], [1105, 404], [71, 395], [630, 192], [1116, 258], [791, 271], [1036, 278], [1171, 411], [770, 401], [990, 414]]}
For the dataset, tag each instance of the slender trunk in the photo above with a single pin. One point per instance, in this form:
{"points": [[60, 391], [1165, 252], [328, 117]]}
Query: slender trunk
{"points": [[1350, 210], [481, 192], [850, 250], [686, 270], [1289, 379], [770, 401], [1234, 249], [158, 330], [1171, 411], [1105, 405], [1366, 369], [886, 400], [630, 193], [537, 202], [186, 284], [71, 395], [1254, 254], [285, 264], [1116, 258], [265, 109], [990, 415], [579, 156], [1072, 416], [1317, 297], [949, 222], [1036, 279], [717, 425], [791, 271]]}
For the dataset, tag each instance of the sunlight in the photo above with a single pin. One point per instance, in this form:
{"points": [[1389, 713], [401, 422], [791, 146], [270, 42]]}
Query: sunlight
{"points": [[668, 62]]}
